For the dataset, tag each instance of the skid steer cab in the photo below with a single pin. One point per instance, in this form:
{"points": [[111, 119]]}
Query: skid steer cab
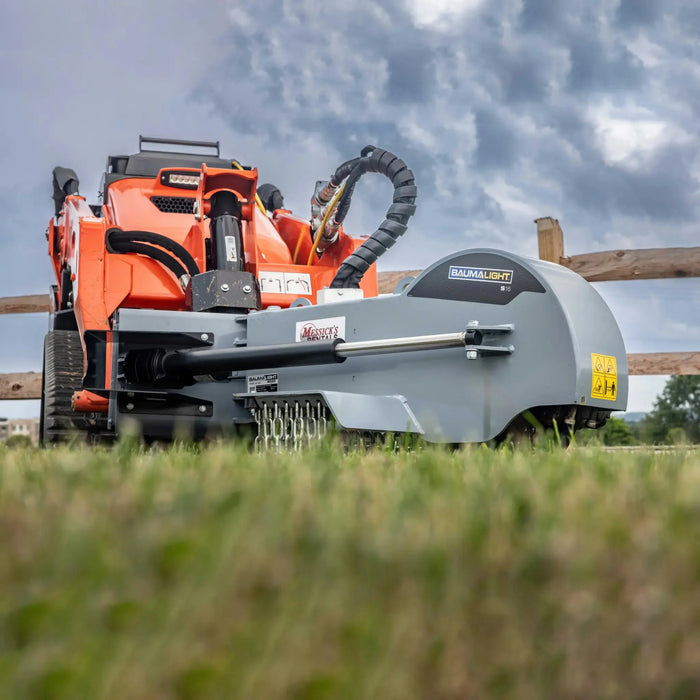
{"points": [[190, 303]]}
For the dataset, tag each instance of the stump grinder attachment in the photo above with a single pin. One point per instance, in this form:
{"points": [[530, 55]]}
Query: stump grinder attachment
{"points": [[190, 303]]}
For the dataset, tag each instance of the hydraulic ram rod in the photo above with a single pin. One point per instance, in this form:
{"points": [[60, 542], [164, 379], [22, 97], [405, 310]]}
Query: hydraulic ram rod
{"points": [[321, 352], [410, 343], [146, 366], [234, 359]]}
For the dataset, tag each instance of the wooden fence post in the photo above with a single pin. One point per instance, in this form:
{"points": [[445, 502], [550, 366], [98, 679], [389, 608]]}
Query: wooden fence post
{"points": [[550, 239]]}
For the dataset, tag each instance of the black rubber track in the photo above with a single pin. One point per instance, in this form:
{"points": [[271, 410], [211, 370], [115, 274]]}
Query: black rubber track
{"points": [[63, 373]]}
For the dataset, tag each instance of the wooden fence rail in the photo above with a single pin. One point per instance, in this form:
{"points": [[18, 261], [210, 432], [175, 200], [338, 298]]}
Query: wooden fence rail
{"points": [[647, 264], [648, 363], [654, 263], [21, 385], [32, 304]]}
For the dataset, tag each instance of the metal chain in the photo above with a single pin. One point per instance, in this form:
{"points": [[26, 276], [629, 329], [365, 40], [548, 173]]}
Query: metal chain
{"points": [[277, 426], [298, 431], [321, 418], [285, 426], [311, 424]]}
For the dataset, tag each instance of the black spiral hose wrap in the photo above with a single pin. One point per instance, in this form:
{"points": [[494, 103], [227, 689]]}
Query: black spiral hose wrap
{"points": [[376, 160]]}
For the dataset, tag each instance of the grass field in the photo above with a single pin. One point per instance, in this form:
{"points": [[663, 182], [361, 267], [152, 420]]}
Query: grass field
{"points": [[217, 573]]}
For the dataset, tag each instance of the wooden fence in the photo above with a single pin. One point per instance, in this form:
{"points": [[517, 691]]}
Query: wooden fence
{"points": [[652, 263], [610, 265]]}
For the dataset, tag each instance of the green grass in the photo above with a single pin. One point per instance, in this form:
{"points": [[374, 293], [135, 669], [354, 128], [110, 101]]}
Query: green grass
{"points": [[216, 573]]}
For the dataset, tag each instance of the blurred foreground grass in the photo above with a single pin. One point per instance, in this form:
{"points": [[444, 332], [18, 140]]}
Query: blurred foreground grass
{"points": [[212, 573]]}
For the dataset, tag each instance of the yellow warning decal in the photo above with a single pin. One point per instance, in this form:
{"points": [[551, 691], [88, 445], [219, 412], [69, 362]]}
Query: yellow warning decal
{"points": [[604, 381]]}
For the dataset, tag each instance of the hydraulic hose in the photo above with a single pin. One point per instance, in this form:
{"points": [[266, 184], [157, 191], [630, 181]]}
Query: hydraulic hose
{"points": [[119, 241], [322, 227], [323, 231], [151, 252], [359, 167], [65, 183], [342, 171], [375, 160]]}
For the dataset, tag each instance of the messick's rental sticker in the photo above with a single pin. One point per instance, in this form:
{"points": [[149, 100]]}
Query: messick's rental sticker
{"points": [[320, 329], [604, 378]]}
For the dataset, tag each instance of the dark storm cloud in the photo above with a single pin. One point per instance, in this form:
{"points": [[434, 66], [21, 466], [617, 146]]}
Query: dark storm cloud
{"points": [[596, 67], [474, 95], [689, 19], [568, 120], [525, 78], [537, 15], [509, 97], [665, 190], [662, 191], [634, 13], [411, 73], [496, 143]]}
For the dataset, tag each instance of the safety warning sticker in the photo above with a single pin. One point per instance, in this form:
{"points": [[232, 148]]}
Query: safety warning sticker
{"points": [[604, 378], [262, 383], [231, 253]]}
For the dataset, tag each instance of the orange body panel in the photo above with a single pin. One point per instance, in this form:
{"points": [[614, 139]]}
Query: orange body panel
{"points": [[103, 281], [88, 402]]}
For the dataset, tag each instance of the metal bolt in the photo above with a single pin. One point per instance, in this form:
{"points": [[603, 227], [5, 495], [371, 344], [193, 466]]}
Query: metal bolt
{"points": [[224, 287], [204, 336], [130, 407], [472, 324], [247, 289], [472, 354], [202, 409]]}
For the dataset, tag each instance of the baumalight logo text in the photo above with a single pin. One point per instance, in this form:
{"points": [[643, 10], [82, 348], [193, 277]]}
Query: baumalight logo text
{"points": [[480, 274]]}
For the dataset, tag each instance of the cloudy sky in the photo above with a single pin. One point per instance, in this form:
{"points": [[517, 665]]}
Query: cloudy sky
{"points": [[506, 110]]}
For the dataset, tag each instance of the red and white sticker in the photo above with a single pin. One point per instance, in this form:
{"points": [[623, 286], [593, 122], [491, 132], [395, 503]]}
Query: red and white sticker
{"points": [[320, 329]]}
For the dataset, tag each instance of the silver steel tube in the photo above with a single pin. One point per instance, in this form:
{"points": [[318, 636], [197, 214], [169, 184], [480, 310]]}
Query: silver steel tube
{"points": [[407, 344]]}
